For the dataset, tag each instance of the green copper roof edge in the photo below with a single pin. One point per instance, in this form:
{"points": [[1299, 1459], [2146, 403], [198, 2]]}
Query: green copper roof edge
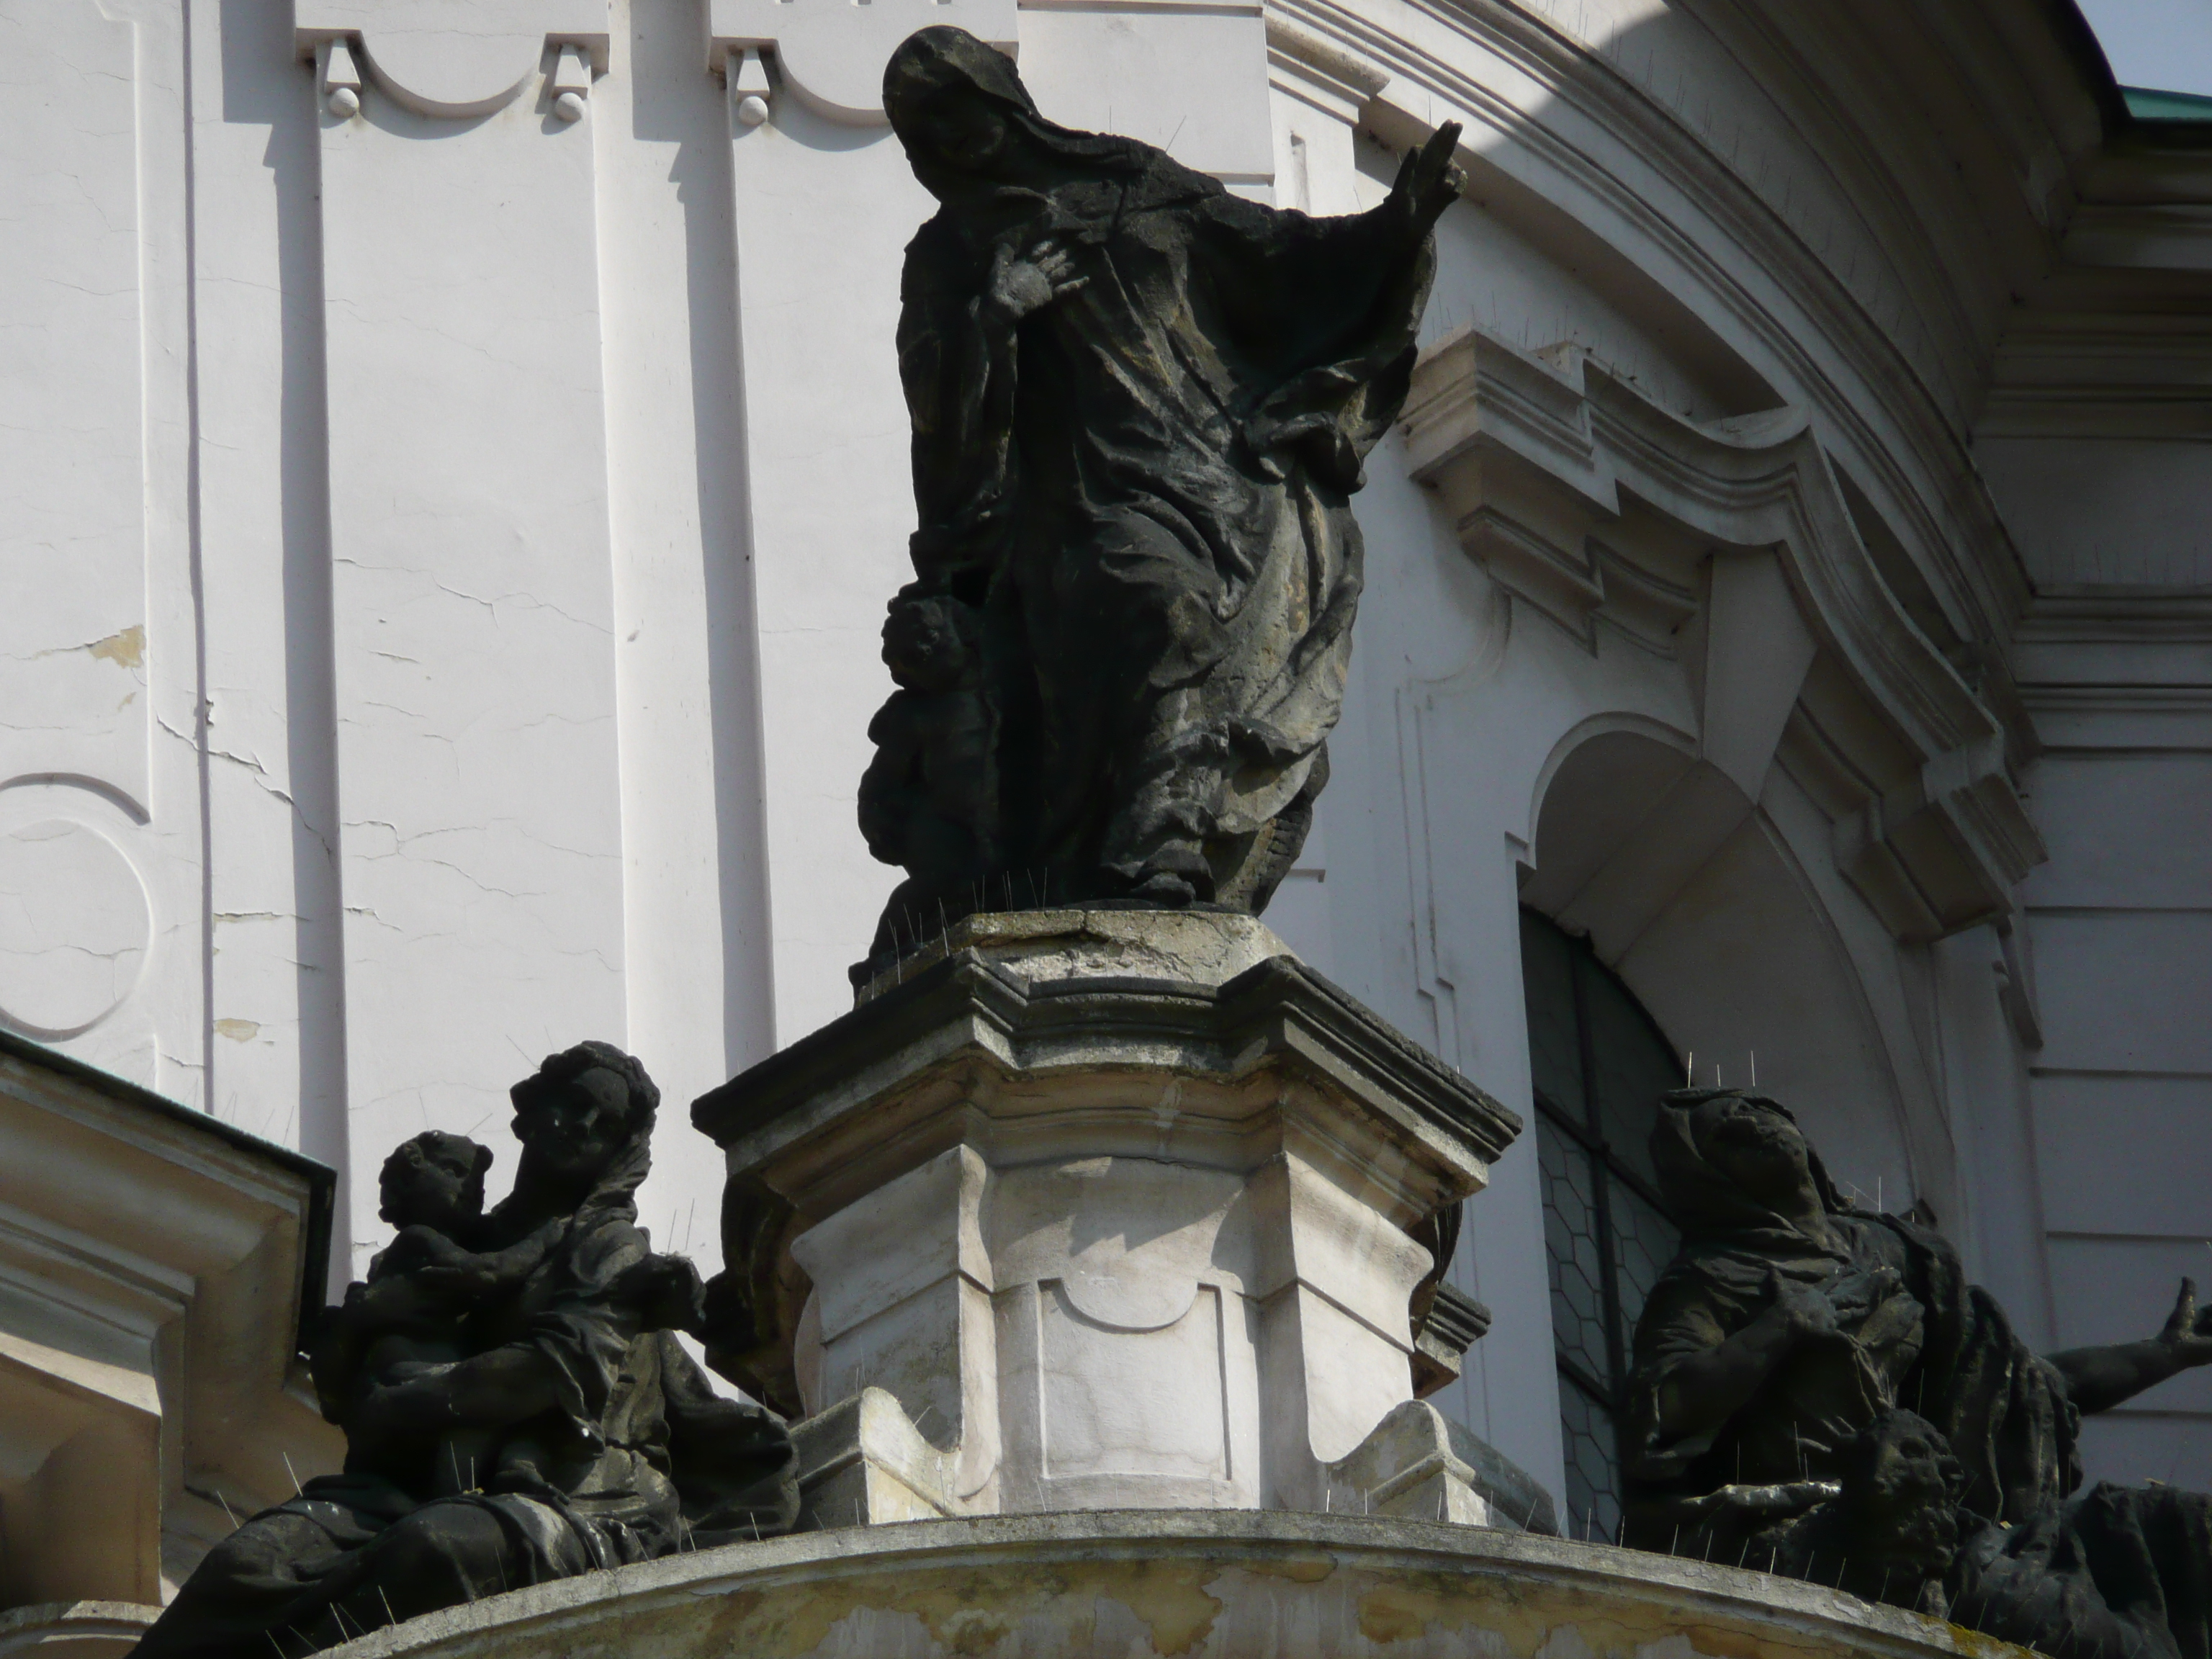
{"points": [[2146, 105]]}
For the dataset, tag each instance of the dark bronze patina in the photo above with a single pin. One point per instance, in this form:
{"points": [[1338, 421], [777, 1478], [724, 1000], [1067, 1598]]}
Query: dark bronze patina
{"points": [[1818, 1391], [1140, 405]]}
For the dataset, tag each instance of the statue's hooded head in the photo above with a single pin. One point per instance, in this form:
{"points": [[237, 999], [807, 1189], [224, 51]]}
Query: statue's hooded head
{"points": [[971, 128], [585, 1120], [1730, 1160]]}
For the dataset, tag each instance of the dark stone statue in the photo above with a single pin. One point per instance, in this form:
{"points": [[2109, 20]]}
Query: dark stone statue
{"points": [[516, 1409], [1818, 1391], [1140, 405]]}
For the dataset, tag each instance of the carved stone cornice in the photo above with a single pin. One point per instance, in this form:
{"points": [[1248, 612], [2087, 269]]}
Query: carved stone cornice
{"points": [[156, 1265], [1315, 69], [1882, 410], [831, 54], [1552, 470]]}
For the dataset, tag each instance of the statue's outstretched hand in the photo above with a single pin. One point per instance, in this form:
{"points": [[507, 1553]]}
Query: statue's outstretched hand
{"points": [[1428, 182], [2188, 1330], [1021, 283]]}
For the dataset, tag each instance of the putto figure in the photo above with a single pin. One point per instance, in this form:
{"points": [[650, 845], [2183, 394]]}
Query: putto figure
{"points": [[1818, 1391], [515, 1406], [1140, 405]]}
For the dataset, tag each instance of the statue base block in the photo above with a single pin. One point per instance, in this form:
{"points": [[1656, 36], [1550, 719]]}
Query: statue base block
{"points": [[1106, 1209]]}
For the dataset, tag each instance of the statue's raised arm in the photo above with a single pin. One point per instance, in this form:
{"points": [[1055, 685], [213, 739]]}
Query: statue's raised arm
{"points": [[1140, 405]]}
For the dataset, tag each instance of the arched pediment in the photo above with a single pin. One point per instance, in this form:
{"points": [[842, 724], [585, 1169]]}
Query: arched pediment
{"points": [[1731, 546]]}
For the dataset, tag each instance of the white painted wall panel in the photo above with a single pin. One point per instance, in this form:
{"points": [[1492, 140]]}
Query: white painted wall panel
{"points": [[2154, 965], [2121, 1290], [72, 474], [479, 797], [2126, 1155], [2124, 829]]}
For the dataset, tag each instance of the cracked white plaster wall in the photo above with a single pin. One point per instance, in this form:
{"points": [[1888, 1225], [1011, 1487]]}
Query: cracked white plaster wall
{"points": [[477, 787], [72, 485]]}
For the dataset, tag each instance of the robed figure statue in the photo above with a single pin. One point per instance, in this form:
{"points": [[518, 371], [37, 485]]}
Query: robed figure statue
{"points": [[1140, 405], [1818, 1390]]}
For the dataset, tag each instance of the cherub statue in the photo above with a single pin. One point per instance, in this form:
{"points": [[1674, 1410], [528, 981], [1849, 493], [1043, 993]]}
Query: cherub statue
{"points": [[929, 799], [413, 1310]]}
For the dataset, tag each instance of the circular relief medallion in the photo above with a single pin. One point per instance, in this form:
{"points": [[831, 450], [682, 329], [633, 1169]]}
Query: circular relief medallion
{"points": [[74, 927]]}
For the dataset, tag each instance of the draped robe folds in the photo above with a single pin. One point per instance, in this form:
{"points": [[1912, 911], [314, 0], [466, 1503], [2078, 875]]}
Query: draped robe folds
{"points": [[2112, 1573], [1143, 487], [642, 1458]]}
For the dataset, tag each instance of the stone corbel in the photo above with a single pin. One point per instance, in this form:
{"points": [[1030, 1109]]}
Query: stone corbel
{"points": [[417, 57], [831, 54], [1798, 651]]}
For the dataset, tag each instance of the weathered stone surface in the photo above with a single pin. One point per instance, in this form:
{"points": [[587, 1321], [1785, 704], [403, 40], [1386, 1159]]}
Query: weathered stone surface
{"points": [[1114, 1223], [1134, 1585], [1419, 1464], [75, 1630], [1197, 948]]}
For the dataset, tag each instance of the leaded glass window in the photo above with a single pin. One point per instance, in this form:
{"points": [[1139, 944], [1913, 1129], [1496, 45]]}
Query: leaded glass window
{"points": [[1600, 1066]]}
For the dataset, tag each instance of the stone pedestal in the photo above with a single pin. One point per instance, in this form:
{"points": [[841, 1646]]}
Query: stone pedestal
{"points": [[1088, 1211]]}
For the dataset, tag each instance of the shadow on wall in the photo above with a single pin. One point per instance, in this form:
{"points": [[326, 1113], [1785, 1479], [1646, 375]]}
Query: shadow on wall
{"points": [[1688, 891]]}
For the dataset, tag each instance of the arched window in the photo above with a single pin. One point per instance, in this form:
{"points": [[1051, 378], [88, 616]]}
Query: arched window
{"points": [[1600, 1066]]}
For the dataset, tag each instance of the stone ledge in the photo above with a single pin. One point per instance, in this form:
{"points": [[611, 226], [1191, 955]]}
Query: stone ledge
{"points": [[75, 1630], [1225, 1584], [1196, 947], [967, 1005]]}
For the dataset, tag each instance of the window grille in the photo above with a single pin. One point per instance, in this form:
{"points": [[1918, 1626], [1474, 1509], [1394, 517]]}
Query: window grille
{"points": [[1599, 1065]]}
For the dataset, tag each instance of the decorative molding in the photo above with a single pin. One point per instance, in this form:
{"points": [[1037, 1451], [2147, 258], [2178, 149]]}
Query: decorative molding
{"points": [[1878, 413], [420, 58], [2140, 368], [2131, 616], [1318, 71], [1534, 459], [832, 52], [155, 1266]]}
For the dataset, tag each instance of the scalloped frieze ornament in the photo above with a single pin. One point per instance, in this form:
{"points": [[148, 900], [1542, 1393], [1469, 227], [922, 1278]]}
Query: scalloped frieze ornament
{"points": [[455, 58], [832, 52]]}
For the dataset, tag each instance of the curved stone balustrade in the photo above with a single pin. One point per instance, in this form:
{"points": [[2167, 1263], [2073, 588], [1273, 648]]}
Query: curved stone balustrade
{"points": [[1217, 1584]]}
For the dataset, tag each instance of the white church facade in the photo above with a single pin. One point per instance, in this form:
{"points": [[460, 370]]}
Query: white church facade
{"points": [[455, 467]]}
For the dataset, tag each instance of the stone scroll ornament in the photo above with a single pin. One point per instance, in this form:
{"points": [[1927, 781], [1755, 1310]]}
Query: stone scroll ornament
{"points": [[1140, 405], [1818, 1391], [515, 1405]]}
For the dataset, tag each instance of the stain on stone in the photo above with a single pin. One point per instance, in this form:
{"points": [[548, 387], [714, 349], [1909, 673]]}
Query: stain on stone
{"points": [[125, 650], [1546, 1625], [977, 1611], [1299, 1569]]}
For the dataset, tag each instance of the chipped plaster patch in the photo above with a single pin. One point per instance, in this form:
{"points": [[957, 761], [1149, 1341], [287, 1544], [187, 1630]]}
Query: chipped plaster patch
{"points": [[125, 650]]}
